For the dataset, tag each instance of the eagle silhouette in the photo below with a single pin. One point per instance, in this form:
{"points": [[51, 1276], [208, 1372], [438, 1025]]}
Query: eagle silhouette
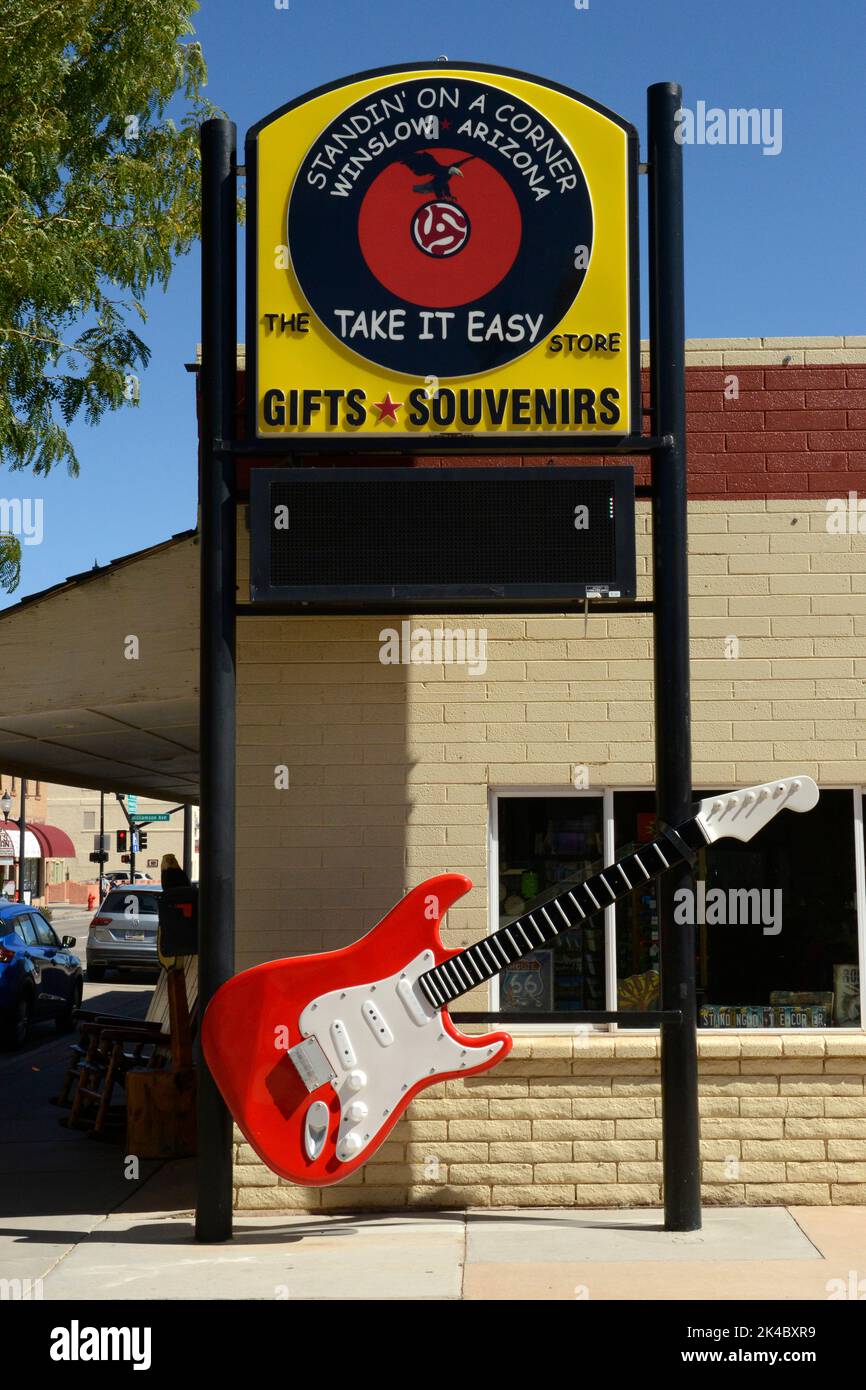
{"points": [[439, 183]]}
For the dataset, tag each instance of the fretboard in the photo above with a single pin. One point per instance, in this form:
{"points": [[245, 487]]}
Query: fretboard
{"points": [[568, 909]]}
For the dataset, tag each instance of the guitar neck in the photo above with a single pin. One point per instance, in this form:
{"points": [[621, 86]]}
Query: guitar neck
{"points": [[567, 910]]}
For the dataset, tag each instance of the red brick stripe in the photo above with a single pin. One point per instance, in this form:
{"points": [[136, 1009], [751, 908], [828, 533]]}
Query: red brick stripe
{"points": [[797, 431]]}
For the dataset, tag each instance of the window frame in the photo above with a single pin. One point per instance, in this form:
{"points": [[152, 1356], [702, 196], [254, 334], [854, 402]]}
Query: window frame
{"points": [[606, 794], [22, 920], [39, 921]]}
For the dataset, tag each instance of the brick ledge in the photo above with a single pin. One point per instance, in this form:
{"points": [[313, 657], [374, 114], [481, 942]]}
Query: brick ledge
{"points": [[782, 1043]]}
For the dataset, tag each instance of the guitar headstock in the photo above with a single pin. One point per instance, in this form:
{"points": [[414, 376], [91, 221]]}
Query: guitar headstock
{"points": [[741, 814]]}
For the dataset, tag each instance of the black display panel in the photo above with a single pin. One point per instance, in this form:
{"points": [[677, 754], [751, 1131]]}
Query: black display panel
{"points": [[367, 538]]}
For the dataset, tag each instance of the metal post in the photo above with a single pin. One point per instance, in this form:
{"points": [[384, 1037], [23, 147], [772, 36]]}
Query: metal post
{"points": [[187, 841], [101, 846], [679, 1063], [22, 830], [218, 581]]}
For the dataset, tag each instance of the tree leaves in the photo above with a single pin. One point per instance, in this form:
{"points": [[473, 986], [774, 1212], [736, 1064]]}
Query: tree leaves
{"points": [[10, 561], [99, 195]]}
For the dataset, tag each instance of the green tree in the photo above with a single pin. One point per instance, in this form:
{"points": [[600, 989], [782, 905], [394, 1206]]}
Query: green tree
{"points": [[10, 561], [98, 197]]}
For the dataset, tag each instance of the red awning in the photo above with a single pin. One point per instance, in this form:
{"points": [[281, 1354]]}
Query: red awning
{"points": [[53, 842]]}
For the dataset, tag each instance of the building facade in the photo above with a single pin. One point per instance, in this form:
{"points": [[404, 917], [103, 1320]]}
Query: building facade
{"points": [[77, 810], [37, 869], [63, 831], [357, 778]]}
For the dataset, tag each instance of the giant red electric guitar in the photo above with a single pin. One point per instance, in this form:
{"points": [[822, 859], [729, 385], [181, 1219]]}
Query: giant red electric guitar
{"points": [[317, 1057]]}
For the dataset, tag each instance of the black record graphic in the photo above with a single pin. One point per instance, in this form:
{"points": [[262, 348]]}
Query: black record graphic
{"points": [[479, 205]]}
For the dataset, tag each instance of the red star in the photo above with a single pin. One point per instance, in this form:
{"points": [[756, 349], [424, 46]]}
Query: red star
{"points": [[387, 409], [445, 123]]}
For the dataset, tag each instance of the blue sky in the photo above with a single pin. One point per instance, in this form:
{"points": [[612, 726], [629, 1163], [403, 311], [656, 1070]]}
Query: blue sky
{"points": [[774, 244]]}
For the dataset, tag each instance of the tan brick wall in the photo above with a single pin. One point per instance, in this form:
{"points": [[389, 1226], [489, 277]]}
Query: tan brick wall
{"points": [[824, 350], [839, 350], [390, 768], [576, 1122]]}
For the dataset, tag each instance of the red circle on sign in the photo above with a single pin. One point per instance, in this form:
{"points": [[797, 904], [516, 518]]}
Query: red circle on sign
{"points": [[385, 232]]}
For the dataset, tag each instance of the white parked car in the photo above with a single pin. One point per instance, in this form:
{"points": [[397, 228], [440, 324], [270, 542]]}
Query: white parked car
{"points": [[122, 933], [122, 876]]}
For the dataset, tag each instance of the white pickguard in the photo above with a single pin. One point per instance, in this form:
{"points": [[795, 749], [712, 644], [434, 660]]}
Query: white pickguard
{"points": [[381, 1039]]}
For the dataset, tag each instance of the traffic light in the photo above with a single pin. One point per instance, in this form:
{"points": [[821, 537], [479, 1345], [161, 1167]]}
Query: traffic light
{"points": [[121, 841], [142, 839]]}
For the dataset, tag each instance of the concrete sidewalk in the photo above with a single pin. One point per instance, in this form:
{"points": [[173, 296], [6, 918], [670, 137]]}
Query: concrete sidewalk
{"points": [[147, 1250], [72, 1217]]}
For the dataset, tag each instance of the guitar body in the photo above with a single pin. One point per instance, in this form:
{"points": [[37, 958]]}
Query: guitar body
{"points": [[318, 1057], [371, 1041]]}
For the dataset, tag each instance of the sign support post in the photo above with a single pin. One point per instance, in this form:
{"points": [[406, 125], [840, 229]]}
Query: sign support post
{"points": [[187, 840], [22, 831], [218, 581], [101, 845], [679, 1057], [356, 245]]}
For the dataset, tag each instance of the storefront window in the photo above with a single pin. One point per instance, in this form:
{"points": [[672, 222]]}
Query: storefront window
{"points": [[775, 919], [546, 843]]}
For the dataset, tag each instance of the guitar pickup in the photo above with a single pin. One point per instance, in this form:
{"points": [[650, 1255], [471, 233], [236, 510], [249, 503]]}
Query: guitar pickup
{"points": [[311, 1063], [343, 1043], [413, 1003], [376, 1023]]}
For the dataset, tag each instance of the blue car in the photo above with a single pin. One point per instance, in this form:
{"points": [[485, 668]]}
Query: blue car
{"points": [[39, 975]]}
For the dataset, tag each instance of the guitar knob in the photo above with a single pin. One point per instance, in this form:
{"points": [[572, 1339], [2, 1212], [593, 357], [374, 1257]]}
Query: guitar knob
{"points": [[350, 1146], [357, 1110], [356, 1080]]}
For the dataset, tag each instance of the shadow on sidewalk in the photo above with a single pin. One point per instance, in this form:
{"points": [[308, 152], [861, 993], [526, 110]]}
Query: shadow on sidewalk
{"points": [[47, 1169]]}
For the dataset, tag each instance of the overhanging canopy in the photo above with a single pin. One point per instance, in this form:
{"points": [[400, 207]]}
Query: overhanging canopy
{"points": [[100, 677]]}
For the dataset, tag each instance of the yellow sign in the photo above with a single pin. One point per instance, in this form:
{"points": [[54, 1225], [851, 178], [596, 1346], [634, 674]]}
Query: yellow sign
{"points": [[442, 255]]}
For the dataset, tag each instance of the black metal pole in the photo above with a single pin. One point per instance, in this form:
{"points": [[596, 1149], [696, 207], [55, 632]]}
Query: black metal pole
{"points": [[213, 1220], [187, 841], [22, 830], [101, 846], [679, 1060]]}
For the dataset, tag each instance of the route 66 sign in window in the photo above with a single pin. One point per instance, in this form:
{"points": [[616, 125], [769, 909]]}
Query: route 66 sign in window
{"points": [[443, 254], [527, 985]]}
